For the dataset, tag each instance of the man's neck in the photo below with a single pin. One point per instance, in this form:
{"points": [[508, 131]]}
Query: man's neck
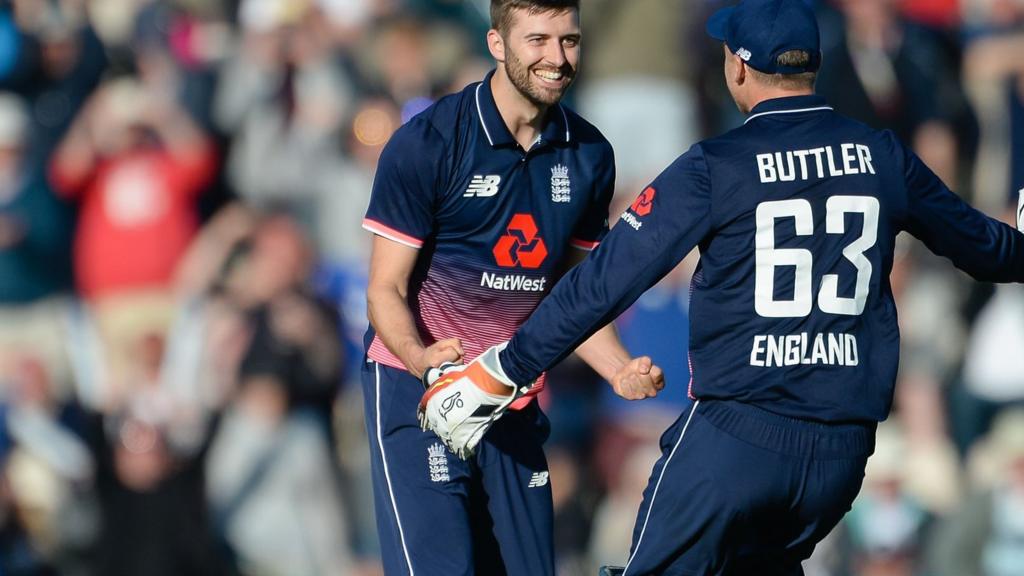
{"points": [[766, 94], [523, 118]]}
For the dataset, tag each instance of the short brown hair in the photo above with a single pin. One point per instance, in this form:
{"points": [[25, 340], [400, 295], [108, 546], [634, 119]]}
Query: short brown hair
{"points": [[501, 10], [795, 58]]}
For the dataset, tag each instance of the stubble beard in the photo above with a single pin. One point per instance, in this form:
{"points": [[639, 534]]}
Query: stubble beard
{"points": [[519, 75]]}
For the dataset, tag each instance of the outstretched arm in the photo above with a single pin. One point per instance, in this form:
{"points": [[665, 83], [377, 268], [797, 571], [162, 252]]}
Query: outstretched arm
{"points": [[665, 222], [631, 378], [986, 248]]}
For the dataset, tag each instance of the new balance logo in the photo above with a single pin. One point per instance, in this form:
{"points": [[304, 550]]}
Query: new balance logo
{"points": [[482, 186], [538, 479]]}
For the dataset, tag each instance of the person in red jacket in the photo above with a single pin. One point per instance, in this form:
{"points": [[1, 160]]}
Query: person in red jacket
{"points": [[137, 163]]}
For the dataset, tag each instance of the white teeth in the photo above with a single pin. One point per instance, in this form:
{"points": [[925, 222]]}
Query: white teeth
{"points": [[549, 75]]}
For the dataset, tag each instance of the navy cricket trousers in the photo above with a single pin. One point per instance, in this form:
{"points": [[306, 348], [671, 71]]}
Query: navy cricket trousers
{"points": [[741, 491], [438, 515]]}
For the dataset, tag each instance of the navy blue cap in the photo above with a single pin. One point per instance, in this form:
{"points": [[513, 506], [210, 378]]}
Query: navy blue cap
{"points": [[758, 31]]}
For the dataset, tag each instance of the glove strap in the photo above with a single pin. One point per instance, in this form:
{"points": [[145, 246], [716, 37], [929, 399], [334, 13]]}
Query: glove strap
{"points": [[432, 374], [490, 360]]}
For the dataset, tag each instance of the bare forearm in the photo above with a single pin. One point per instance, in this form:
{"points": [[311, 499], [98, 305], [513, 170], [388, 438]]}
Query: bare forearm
{"points": [[387, 305], [323, 352], [604, 352], [178, 132], [630, 378], [75, 158], [393, 321]]}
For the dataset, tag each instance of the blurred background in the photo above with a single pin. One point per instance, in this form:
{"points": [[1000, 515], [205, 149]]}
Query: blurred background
{"points": [[182, 270]]}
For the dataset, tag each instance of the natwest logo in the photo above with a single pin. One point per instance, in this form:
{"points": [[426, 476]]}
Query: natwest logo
{"points": [[644, 202], [512, 282], [520, 246]]}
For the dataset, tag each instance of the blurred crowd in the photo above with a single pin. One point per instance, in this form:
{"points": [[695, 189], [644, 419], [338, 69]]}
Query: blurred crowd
{"points": [[182, 271]]}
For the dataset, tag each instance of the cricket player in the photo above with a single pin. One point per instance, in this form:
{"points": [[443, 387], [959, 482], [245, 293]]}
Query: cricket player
{"points": [[793, 335], [479, 205]]}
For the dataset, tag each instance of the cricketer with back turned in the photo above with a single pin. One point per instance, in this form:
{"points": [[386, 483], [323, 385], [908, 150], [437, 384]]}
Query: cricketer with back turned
{"points": [[793, 338]]}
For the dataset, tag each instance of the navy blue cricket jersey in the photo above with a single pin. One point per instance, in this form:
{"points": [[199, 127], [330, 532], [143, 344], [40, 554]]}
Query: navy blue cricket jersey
{"points": [[796, 215], [493, 222]]}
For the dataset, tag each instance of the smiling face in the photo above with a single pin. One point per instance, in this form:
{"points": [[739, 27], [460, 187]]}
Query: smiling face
{"points": [[539, 53]]}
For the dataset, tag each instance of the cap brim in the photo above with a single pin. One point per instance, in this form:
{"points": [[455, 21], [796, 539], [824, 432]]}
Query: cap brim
{"points": [[718, 23]]}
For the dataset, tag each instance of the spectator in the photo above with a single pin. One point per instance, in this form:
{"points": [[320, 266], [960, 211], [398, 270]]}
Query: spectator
{"points": [[993, 376], [51, 62], [57, 63], [408, 60], [994, 82], [33, 240], [886, 525], [49, 468], [985, 537], [283, 99], [343, 184], [272, 480], [18, 556], [137, 162], [635, 62], [886, 72], [35, 246], [154, 514], [147, 441]]}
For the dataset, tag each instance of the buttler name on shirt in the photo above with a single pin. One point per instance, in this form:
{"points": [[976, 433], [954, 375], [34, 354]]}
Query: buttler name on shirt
{"points": [[826, 161]]}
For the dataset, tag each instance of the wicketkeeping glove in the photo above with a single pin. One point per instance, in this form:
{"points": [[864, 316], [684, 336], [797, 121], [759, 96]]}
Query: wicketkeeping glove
{"points": [[456, 406]]}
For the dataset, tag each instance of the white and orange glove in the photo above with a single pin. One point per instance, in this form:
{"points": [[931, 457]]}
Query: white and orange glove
{"points": [[463, 401]]}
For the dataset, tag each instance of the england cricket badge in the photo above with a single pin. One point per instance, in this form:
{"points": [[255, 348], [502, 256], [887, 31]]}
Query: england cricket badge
{"points": [[561, 187], [437, 462]]}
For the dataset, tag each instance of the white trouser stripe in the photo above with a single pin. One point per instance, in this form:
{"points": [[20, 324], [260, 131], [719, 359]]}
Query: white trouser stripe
{"points": [[654, 495], [387, 475]]}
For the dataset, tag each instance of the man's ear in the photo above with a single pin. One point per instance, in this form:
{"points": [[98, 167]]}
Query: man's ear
{"points": [[739, 70], [496, 45]]}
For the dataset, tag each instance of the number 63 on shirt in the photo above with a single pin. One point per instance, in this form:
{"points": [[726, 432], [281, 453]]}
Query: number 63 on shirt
{"points": [[769, 257]]}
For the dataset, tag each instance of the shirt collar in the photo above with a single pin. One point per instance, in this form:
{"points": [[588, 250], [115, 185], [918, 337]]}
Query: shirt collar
{"points": [[556, 125], [789, 105]]}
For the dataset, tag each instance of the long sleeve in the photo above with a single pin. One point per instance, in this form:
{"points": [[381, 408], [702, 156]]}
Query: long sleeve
{"points": [[979, 245], [666, 221]]}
